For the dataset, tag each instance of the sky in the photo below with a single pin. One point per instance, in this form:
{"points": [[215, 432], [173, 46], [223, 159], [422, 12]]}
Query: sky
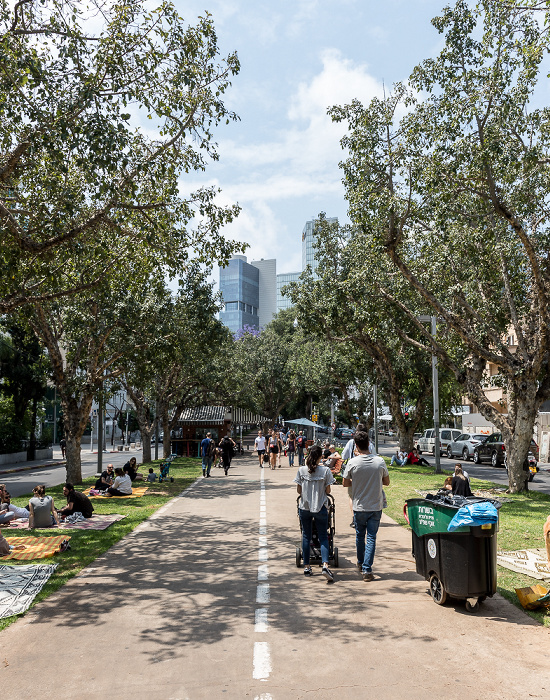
{"points": [[299, 57]]}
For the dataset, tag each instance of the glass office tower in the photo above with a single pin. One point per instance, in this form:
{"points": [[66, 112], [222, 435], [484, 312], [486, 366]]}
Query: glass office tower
{"points": [[308, 245], [283, 279], [240, 288]]}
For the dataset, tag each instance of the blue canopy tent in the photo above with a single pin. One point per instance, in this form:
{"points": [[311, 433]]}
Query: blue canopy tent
{"points": [[304, 423]]}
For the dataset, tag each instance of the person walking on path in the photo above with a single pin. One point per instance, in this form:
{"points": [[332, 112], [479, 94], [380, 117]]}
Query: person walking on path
{"points": [[275, 448], [282, 438], [366, 474], [259, 445], [63, 445], [291, 447], [300, 447], [207, 453], [313, 484], [227, 447]]}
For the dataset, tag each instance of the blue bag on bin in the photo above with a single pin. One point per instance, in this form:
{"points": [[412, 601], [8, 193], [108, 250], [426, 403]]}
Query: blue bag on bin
{"points": [[474, 514]]}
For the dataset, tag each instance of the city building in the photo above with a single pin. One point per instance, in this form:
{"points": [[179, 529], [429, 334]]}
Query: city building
{"points": [[268, 289], [282, 280], [240, 288], [308, 245]]}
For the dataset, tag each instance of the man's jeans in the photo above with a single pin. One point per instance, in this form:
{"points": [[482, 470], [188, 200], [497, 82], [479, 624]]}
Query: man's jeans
{"points": [[300, 451], [321, 521], [206, 464], [369, 522]]}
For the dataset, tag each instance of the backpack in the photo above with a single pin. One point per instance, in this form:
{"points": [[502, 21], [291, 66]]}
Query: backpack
{"points": [[300, 441], [211, 448]]}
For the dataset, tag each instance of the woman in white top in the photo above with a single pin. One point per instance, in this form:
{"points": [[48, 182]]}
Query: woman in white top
{"points": [[313, 484], [122, 485]]}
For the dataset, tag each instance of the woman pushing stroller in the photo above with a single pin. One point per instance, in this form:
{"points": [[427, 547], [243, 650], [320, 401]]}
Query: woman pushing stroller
{"points": [[313, 484]]}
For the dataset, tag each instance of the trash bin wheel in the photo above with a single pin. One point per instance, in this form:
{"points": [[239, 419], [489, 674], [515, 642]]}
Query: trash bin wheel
{"points": [[437, 590], [472, 607], [298, 556], [335, 557]]}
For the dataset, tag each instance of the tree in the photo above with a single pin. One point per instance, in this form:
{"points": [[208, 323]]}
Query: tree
{"points": [[176, 368], [23, 373], [343, 307], [455, 194], [76, 168]]}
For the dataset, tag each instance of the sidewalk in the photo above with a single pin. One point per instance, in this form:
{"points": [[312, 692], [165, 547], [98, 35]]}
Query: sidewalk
{"points": [[204, 601]]}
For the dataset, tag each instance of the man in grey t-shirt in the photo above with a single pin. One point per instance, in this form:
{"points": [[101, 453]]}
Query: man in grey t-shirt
{"points": [[366, 474]]}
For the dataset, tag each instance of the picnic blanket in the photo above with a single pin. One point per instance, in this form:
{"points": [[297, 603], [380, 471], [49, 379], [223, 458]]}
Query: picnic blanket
{"points": [[136, 493], [19, 585], [96, 522], [35, 547], [532, 562]]}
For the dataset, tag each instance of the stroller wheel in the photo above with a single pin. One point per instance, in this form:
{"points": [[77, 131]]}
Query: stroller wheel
{"points": [[298, 557], [335, 553]]}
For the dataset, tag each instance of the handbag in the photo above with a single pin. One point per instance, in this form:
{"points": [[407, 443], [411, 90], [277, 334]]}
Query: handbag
{"points": [[266, 458]]}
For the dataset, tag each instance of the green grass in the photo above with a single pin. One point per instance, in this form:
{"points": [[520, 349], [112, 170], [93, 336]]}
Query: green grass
{"points": [[521, 521], [87, 545]]}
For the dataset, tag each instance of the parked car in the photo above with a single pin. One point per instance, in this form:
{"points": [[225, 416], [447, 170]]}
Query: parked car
{"points": [[154, 438], [492, 450], [446, 436], [322, 430], [464, 445], [343, 433], [426, 443], [416, 438]]}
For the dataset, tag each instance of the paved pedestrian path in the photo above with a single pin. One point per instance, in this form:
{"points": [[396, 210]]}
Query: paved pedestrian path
{"points": [[204, 601]]}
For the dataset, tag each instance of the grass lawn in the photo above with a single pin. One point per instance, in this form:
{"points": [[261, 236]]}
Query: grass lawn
{"points": [[87, 545], [521, 520]]}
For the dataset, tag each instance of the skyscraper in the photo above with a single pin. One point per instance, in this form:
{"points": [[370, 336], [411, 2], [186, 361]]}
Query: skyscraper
{"points": [[308, 245], [282, 280], [268, 289], [240, 288]]}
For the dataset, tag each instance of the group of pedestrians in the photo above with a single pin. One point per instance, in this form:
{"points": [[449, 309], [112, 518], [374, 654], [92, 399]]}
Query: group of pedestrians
{"points": [[278, 443], [210, 453], [365, 475]]}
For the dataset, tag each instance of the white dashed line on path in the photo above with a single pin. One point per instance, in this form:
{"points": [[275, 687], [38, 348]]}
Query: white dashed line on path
{"points": [[261, 664]]}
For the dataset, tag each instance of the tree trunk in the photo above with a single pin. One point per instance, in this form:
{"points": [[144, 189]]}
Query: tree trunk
{"points": [[166, 441], [143, 417], [518, 439]]}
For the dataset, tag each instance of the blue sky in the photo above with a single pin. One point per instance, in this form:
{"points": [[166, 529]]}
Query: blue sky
{"points": [[280, 161]]}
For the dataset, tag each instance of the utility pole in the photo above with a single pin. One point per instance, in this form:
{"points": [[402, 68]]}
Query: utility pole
{"points": [[375, 401], [432, 320]]}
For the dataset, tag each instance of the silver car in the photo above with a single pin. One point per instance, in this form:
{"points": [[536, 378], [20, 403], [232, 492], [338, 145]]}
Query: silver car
{"points": [[464, 445]]}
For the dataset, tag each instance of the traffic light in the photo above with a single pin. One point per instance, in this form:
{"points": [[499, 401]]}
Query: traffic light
{"points": [[406, 415]]}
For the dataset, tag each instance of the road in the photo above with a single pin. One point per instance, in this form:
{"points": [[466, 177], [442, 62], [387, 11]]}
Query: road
{"points": [[483, 471], [23, 482], [204, 601]]}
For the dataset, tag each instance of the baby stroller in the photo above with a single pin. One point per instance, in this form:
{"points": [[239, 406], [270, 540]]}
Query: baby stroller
{"points": [[315, 552], [165, 469]]}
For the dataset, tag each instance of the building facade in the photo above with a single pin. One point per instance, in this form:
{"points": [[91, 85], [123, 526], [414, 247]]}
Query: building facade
{"points": [[240, 288], [309, 247], [268, 289], [282, 280]]}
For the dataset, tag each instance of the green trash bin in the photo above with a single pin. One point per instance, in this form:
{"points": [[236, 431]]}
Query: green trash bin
{"points": [[460, 564]]}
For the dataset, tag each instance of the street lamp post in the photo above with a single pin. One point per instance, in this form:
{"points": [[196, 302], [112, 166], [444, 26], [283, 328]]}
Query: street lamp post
{"points": [[435, 385], [375, 401]]}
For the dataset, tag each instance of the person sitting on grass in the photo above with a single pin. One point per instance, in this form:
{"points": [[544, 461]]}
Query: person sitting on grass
{"points": [[20, 513], [122, 485], [42, 512], [5, 515], [76, 503], [461, 485], [399, 458], [130, 469], [106, 479], [332, 459], [151, 476], [415, 458]]}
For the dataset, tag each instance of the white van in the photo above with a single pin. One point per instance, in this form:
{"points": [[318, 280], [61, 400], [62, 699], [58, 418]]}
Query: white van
{"points": [[446, 435]]}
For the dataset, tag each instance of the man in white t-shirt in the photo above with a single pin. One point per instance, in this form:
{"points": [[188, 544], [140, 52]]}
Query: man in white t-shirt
{"points": [[259, 444], [366, 474]]}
